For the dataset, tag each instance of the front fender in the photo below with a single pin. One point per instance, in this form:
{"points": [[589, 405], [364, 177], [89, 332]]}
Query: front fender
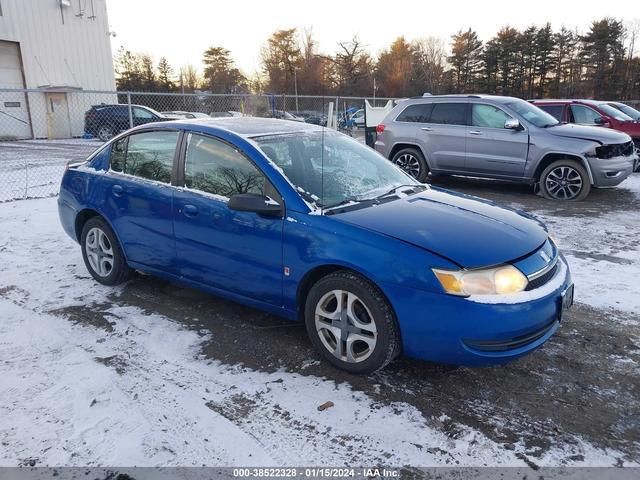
{"points": [[313, 241]]}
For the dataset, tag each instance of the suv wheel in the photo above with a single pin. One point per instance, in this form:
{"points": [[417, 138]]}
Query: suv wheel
{"points": [[105, 133], [412, 161], [565, 180], [102, 254], [351, 324]]}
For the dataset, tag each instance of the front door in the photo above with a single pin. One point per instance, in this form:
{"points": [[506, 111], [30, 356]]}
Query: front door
{"points": [[240, 252], [491, 148], [58, 124]]}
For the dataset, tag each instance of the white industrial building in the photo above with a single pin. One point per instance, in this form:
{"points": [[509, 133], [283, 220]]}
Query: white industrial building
{"points": [[62, 48]]}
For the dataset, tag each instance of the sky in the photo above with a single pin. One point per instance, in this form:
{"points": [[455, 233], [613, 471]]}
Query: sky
{"points": [[182, 30]]}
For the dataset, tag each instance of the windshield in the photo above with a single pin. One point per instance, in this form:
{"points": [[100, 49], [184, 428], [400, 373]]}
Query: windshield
{"points": [[352, 171], [532, 114], [614, 112], [632, 112]]}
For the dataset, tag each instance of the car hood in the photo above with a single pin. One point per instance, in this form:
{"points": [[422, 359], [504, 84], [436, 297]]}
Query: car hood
{"points": [[468, 231], [584, 132]]}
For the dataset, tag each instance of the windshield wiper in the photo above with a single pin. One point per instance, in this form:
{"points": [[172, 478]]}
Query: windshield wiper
{"points": [[398, 187], [348, 202]]}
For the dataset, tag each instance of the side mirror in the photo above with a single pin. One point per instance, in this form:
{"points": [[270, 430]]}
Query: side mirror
{"points": [[598, 121], [512, 124], [251, 202]]}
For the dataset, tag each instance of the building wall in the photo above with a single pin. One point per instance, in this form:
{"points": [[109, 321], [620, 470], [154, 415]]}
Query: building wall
{"points": [[60, 47]]}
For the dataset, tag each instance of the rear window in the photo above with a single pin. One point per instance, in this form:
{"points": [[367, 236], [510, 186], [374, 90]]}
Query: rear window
{"points": [[146, 155], [449, 113], [418, 113]]}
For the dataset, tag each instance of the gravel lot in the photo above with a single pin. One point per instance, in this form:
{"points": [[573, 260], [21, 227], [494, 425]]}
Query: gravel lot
{"points": [[155, 374]]}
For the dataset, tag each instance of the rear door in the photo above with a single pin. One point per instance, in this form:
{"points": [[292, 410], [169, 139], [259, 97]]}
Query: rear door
{"points": [[139, 196], [240, 252], [443, 137], [491, 148]]}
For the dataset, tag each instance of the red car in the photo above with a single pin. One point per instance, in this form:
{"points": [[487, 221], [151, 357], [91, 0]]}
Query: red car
{"points": [[592, 112]]}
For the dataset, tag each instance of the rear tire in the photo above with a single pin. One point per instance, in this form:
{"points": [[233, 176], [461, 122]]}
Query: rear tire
{"points": [[105, 133], [413, 162], [102, 254], [351, 324], [565, 180]]}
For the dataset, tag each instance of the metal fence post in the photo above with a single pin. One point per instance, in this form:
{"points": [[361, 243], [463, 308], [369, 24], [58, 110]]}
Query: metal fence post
{"points": [[130, 110], [26, 179]]}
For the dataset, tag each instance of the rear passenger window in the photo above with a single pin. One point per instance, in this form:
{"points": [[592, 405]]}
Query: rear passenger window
{"points": [[215, 167], [146, 155], [418, 113], [449, 113], [555, 110]]}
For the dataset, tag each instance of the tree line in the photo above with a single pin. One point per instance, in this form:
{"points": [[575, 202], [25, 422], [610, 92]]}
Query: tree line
{"points": [[536, 62]]}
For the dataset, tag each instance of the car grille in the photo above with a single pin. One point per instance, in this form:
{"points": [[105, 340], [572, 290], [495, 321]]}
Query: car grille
{"points": [[511, 343], [615, 150], [542, 279]]}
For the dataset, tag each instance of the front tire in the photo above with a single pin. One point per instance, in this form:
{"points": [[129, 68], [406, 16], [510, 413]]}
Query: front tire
{"points": [[102, 254], [565, 179], [412, 161], [351, 324]]}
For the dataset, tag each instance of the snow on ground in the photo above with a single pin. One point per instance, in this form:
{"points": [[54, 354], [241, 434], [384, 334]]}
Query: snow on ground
{"points": [[64, 401], [135, 390], [603, 253]]}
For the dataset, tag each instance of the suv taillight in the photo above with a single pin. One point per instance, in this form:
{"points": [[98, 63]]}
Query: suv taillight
{"points": [[379, 128]]}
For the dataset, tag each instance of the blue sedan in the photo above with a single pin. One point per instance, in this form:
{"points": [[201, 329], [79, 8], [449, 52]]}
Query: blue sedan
{"points": [[311, 225]]}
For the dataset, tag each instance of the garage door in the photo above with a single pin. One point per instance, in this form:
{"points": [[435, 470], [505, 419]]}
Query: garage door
{"points": [[14, 116]]}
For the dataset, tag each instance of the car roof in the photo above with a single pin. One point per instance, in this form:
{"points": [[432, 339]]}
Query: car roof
{"points": [[247, 127], [569, 100], [464, 96]]}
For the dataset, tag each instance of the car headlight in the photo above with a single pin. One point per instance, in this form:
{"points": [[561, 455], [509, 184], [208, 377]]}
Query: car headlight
{"points": [[500, 280]]}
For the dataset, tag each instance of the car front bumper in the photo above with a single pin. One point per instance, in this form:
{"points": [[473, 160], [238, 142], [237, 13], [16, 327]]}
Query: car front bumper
{"points": [[448, 329], [611, 172]]}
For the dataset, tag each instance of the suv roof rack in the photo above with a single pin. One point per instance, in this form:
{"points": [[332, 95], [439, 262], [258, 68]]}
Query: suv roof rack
{"points": [[454, 95]]}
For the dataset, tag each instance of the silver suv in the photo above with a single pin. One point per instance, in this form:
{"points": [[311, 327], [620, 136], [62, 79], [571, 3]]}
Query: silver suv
{"points": [[505, 138]]}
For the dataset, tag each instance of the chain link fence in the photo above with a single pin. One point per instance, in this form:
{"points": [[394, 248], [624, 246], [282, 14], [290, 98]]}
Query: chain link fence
{"points": [[41, 130]]}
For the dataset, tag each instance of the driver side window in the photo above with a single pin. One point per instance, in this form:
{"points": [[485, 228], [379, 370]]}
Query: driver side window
{"points": [[583, 115], [215, 167], [487, 116]]}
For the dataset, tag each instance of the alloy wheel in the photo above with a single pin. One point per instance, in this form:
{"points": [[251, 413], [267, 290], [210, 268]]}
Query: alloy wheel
{"points": [[563, 183], [409, 163], [345, 326], [104, 133], [99, 252]]}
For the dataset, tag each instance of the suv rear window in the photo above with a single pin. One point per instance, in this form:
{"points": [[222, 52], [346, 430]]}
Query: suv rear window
{"points": [[449, 113], [419, 113]]}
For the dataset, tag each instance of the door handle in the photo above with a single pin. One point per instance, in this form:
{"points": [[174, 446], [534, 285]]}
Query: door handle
{"points": [[118, 190], [426, 129], [475, 132], [190, 211]]}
